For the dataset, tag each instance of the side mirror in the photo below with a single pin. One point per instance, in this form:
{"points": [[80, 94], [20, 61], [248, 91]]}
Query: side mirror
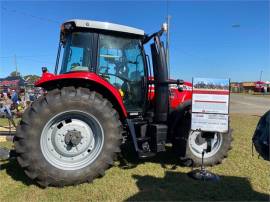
{"points": [[164, 27], [180, 88]]}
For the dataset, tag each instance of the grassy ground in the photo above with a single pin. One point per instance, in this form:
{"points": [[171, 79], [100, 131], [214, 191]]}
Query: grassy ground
{"points": [[4, 122], [243, 177]]}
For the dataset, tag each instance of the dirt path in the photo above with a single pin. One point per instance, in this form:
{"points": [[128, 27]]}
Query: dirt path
{"points": [[248, 104]]}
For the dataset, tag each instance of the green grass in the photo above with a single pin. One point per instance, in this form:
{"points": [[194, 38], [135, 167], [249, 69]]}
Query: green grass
{"points": [[243, 177], [4, 121]]}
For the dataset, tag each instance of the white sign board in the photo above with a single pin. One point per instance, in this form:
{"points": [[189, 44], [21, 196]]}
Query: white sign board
{"points": [[210, 122], [210, 95], [210, 104]]}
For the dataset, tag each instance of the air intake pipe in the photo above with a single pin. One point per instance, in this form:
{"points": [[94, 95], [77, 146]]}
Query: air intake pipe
{"points": [[161, 80]]}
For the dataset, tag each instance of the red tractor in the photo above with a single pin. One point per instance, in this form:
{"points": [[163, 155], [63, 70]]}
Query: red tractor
{"points": [[103, 92]]}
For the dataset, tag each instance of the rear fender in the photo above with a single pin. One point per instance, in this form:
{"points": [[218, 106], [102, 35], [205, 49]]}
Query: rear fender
{"points": [[176, 115], [85, 79]]}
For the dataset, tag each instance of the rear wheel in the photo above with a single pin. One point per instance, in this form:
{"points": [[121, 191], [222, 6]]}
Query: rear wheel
{"points": [[68, 137], [190, 144]]}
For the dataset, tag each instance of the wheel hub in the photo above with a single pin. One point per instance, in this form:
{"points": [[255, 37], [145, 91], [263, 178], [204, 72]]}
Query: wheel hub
{"points": [[73, 138], [71, 143], [199, 140]]}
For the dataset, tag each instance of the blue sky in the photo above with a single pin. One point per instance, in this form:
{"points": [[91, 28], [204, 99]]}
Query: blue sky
{"points": [[203, 41]]}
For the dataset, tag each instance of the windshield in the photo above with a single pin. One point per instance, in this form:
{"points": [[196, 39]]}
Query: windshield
{"points": [[77, 52], [120, 57]]}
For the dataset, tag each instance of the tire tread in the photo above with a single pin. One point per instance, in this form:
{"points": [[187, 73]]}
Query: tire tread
{"points": [[40, 170]]}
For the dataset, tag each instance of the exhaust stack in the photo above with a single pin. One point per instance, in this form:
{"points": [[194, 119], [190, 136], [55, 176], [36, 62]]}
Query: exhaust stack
{"points": [[161, 80]]}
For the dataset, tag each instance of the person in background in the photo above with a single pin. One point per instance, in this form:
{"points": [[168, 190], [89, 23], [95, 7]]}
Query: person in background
{"points": [[31, 96], [14, 97], [6, 101], [27, 98]]}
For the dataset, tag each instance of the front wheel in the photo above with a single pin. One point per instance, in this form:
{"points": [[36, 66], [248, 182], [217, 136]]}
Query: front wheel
{"points": [[196, 143], [189, 144], [68, 137]]}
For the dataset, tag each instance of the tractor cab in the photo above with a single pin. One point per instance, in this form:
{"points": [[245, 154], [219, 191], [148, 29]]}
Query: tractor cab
{"points": [[114, 52]]}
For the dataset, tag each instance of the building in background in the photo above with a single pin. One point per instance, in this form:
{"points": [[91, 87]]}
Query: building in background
{"points": [[235, 87], [12, 83], [262, 86], [250, 87]]}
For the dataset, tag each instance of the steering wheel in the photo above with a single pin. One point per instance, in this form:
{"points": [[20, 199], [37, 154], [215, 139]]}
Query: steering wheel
{"points": [[118, 76], [125, 86]]}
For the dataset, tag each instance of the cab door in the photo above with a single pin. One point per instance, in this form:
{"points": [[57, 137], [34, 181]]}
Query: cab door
{"points": [[121, 62]]}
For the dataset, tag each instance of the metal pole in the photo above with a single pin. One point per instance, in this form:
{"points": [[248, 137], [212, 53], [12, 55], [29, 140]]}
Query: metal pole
{"points": [[168, 45], [261, 75], [168, 17], [15, 61]]}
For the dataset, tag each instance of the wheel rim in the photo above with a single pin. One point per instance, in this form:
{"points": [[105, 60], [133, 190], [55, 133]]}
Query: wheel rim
{"points": [[72, 140], [197, 144]]}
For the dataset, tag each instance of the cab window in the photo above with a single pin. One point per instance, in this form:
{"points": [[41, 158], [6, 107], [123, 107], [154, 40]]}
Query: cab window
{"points": [[121, 63], [77, 53]]}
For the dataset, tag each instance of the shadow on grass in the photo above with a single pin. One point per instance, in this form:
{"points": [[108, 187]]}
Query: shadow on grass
{"points": [[173, 186], [14, 170], [177, 186], [126, 161], [128, 158]]}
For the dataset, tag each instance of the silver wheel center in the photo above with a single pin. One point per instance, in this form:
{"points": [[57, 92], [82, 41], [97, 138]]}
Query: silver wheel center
{"points": [[57, 138], [72, 140], [197, 144]]}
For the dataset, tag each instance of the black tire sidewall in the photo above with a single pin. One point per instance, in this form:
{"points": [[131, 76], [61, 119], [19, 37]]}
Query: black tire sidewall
{"points": [[55, 104]]}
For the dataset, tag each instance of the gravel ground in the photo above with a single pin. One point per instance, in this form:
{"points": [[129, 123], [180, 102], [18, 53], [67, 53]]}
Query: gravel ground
{"points": [[249, 104]]}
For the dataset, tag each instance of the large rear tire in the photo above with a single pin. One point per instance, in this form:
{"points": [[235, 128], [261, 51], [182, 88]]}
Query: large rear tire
{"points": [[68, 137], [189, 145]]}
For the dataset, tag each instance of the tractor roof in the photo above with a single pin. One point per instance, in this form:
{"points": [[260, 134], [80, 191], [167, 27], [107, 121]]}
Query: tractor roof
{"points": [[106, 26]]}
